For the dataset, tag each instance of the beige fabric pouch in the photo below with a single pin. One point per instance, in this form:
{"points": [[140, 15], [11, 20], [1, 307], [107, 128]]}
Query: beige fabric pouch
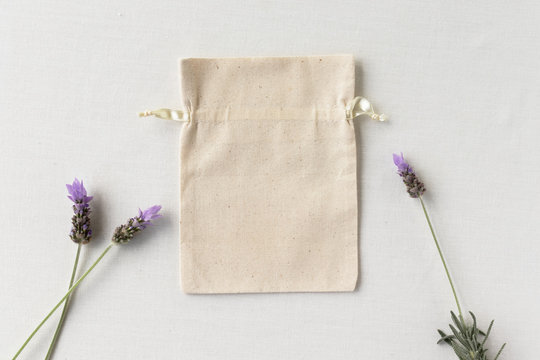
{"points": [[268, 175]]}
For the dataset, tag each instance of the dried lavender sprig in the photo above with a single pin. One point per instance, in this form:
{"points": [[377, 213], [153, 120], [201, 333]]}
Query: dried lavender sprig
{"points": [[416, 189], [124, 233], [465, 339], [140, 222], [80, 234], [80, 231]]}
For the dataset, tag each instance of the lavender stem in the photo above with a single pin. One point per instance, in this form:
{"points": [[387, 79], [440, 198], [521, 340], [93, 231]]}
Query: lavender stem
{"points": [[63, 299], [66, 305], [442, 257]]}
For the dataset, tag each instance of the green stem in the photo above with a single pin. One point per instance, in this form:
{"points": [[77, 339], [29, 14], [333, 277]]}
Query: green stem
{"points": [[442, 257], [66, 305], [63, 299]]}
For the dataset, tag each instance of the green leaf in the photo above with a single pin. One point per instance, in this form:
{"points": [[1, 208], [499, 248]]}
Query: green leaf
{"points": [[446, 338], [459, 336], [459, 323], [473, 318], [474, 332], [460, 351], [488, 332], [500, 351], [464, 339]]}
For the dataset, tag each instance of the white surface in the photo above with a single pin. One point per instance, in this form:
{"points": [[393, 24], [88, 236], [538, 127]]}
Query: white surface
{"points": [[460, 81]]}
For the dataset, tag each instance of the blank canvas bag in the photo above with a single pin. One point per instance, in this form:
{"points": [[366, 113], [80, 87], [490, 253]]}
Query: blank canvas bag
{"points": [[268, 195]]}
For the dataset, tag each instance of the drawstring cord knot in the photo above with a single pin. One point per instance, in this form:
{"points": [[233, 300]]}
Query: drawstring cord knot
{"points": [[361, 106]]}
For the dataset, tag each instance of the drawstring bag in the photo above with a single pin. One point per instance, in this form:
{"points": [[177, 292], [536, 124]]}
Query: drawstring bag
{"points": [[268, 198]]}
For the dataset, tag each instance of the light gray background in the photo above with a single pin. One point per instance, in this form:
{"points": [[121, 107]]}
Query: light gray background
{"points": [[460, 81]]}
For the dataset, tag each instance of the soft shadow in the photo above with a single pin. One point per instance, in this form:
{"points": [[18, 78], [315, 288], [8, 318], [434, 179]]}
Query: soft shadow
{"points": [[358, 91], [97, 217]]}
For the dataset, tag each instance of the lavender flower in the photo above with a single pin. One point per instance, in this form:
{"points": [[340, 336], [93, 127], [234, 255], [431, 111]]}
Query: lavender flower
{"points": [[467, 341], [415, 187], [80, 231], [124, 233]]}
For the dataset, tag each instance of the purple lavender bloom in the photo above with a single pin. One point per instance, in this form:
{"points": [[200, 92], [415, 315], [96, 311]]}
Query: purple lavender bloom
{"points": [[80, 230], [415, 187], [124, 233], [401, 164], [77, 192], [148, 215]]}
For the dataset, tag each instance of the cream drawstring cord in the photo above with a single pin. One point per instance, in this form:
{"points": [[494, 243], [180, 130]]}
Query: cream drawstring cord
{"points": [[361, 106], [167, 114], [356, 107]]}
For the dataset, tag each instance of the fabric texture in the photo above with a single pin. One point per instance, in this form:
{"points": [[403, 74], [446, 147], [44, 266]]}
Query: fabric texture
{"points": [[268, 175]]}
